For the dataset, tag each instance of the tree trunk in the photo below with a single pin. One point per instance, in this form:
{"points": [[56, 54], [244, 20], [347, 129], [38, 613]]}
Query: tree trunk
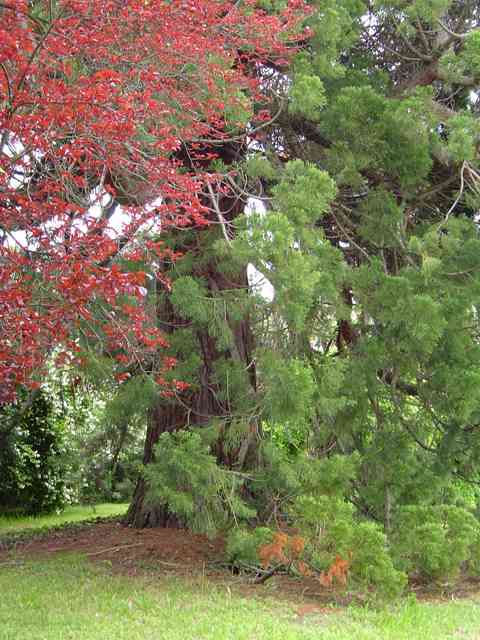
{"points": [[205, 404], [142, 514], [195, 410]]}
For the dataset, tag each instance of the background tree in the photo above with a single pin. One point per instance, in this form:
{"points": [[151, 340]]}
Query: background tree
{"points": [[31, 459]]}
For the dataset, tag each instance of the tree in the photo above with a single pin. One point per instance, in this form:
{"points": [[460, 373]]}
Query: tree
{"points": [[33, 468], [383, 98], [204, 336], [362, 369], [370, 344], [97, 99]]}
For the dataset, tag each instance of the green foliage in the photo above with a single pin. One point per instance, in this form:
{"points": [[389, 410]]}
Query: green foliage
{"points": [[381, 218], [471, 52], [278, 480], [289, 388], [304, 192], [334, 28], [434, 541], [189, 297], [104, 427], [131, 400], [260, 167], [463, 135], [242, 545], [372, 564], [186, 478], [329, 476], [32, 440], [465, 63], [330, 379], [307, 96], [331, 529], [369, 346], [372, 132]]}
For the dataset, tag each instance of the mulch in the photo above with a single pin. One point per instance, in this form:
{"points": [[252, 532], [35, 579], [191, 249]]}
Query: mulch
{"points": [[125, 547]]}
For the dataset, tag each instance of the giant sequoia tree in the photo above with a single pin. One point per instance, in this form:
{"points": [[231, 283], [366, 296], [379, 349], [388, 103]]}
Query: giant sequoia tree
{"points": [[369, 174]]}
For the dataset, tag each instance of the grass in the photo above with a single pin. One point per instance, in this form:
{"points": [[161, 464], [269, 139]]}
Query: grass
{"points": [[78, 513], [67, 598]]}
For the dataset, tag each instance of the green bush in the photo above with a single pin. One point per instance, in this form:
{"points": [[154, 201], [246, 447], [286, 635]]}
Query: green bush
{"points": [[434, 542], [372, 565], [31, 462]]}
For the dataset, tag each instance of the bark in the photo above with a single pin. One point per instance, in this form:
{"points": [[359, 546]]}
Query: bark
{"points": [[205, 404], [142, 514]]}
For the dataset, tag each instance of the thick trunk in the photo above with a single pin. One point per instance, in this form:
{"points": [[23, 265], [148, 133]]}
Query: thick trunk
{"points": [[142, 514], [199, 408], [206, 403]]}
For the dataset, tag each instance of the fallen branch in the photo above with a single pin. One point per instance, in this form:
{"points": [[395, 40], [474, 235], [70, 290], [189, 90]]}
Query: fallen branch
{"points": [[124, 546], [260, 578]]}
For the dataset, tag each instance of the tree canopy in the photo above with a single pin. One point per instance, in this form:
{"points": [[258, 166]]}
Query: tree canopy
{"points": [[104, 104]]}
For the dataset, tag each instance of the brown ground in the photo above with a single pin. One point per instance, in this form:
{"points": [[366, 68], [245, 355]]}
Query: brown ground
{"points": [[129, 550], [176, 552]]}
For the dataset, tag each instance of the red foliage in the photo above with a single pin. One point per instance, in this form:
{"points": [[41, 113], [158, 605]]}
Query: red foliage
{"points": [[338, 572], [284, 549], [97, 98]]}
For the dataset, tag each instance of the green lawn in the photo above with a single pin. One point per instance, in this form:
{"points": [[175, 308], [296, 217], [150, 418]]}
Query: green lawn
{"points": [[14, 524], [68, 598]]}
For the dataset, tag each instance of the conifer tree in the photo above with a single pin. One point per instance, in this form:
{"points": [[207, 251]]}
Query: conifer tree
{"points": [[370, 176], [384, 98]]}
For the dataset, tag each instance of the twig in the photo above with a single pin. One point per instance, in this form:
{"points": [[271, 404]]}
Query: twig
{"points": [[125, 546], [458, 36], [263, 577], [220, 217]]}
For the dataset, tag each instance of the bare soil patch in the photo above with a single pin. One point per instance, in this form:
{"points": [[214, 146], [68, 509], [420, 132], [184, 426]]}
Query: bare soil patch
{"points": [[129, 549], [171, 552]]}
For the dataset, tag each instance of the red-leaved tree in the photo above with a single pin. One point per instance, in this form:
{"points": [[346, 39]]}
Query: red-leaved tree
{"points": [[100, 101]]}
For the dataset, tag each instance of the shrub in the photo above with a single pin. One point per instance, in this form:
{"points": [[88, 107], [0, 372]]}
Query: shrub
{"points": [[372, 565], [31, 456], [434, 541], [328, 523]]}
